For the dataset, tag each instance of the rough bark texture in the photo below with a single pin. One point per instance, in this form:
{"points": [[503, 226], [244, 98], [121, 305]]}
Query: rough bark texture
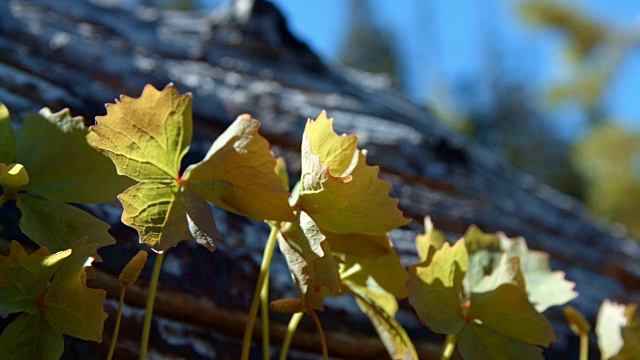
{"points": [[81, 54]]}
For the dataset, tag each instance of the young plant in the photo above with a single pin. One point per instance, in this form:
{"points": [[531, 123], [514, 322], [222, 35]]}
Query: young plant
{"points": [[146, 138], [475, 292], [339, 242]]}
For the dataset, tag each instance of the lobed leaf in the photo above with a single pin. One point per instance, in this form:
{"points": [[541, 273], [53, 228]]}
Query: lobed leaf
{"points": [[430, 241], [7, 137], [435, 288], [618, 331], [238, 174], [62, 164], [31, 337], [165, 214], [56, 225], [147, 137], [335, 151], [384, 272]]}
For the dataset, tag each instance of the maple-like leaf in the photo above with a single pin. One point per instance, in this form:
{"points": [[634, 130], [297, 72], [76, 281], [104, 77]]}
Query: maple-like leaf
{"points": [[351, 198], [238, 174], [147, 137], [63, 166], [51, 292], [430, 241], [618, 331]]}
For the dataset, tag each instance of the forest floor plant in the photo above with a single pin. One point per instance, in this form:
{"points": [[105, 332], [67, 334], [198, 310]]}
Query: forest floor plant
{"points": [[486, 292]]}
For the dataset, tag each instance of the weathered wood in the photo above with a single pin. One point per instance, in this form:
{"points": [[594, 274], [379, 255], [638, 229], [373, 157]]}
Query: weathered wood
{"points": [[80, 54]]}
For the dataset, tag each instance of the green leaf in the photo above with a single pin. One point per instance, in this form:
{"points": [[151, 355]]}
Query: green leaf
{"points": [[238, 174], [23, 277], [31, 337], [7, 137], [363, 245], [380, 308], [356, 203], [312, 265], [51, 291], [477, 342], [56, 225], [435, 288], [546, 288], [165, 214], [147, 137], [507, 310], [335, 151], [62, 164], [13, 175], [506, 272], [431, 239]]}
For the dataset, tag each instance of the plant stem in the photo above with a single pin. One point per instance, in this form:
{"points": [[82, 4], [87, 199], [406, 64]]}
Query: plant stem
{"points": [[449, 345], [291, 329], [114, 338], [264, 316], [264, 271], [584, 346], [323, 341], [146, 329]]}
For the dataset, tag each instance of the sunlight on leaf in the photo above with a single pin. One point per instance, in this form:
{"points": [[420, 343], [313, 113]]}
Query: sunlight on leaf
{"points": [[618, 331], [147, 137], [7, 137], [238, 174], [13, 175]]}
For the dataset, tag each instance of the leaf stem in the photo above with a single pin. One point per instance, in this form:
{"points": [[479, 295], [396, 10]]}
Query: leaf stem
{"points": [[264, 271], [584, 346], [146, 329], [288, 336], [114, 338], [449, 345], [264, 316], [323, 340]]}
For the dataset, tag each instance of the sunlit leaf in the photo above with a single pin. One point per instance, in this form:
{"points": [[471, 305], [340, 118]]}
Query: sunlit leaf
{"points": [[56, 225], [147, 137], [165, 214], [335, 151], [62, 164], [618, 331], [435, 288], [13, 175], [7, 137], [431, 239], [385, 271], [52, 292], [238, 174]]}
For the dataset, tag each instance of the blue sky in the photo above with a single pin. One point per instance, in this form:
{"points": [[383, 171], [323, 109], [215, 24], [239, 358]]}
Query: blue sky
{"points": [[456, 30]]}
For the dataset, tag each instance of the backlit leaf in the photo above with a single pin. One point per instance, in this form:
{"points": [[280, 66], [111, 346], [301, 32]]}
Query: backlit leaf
{"points": [[51, 291], [386, 272], [165, 214], [431, 239], [435, 288], [335, 151], [147, 137], [62, 164], [238, 174], [7, 137], [618, 331], [56, 225]]}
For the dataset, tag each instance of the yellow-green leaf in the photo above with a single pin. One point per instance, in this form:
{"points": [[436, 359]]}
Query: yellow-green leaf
{"points": [[62, 164], [165, 214], [431, 239], [477, 342], [238, 174], [435, 288], [56, 225], [336, 151], [13, 175], [147, 137], [7, 137], [383, 272]]}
